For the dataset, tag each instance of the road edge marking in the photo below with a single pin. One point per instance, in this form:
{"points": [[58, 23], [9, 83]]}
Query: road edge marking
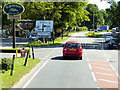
{"points": [[35, 74]]}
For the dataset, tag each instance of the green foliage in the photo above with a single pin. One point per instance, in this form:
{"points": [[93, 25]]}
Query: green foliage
{"points": [[82, 28], [96, 14], [19, 71], [6, 63]]}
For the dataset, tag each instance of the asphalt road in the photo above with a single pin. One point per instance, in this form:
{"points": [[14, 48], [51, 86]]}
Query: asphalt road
{"points": [[54, 72]]}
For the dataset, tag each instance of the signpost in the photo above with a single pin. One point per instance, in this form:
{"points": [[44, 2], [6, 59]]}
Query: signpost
{"points": [[44, 28], [13, 10]]}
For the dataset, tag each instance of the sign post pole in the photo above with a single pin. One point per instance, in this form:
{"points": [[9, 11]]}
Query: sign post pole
{"points": [[13, 10], [13, 33]]}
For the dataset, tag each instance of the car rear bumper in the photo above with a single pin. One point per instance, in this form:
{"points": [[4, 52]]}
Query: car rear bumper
{"points": [[72, 54]]}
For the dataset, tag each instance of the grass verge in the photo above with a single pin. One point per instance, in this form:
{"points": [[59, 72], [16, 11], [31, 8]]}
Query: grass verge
{"points": [[50, 43], [19, 70], [91, 34]]}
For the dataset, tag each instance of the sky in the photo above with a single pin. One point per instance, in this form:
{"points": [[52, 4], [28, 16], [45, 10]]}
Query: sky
{"points": [[101, 5]]}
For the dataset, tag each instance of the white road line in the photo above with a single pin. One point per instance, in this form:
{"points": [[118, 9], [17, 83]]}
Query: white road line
{"points": [[90, 66], [107, 60], [38, 69], [101, 64], [112, 67], [94, 77], [102, 68], [108, 81], [87, 59], [35, 74], [104, 74]]}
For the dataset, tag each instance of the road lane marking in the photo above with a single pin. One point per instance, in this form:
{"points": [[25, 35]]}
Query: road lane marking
{"points": [[100, 64], [39, 69], [35, 74], [107, 81], [102, 68], [94, 77], [90, 67], [104, 78], [104, 74]]}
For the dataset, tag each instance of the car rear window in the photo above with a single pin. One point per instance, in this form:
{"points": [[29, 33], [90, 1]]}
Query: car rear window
{"points": [[72, 45]]}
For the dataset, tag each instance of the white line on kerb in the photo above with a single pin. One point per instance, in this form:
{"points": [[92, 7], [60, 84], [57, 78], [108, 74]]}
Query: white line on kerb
{"points": [[35, 74]]}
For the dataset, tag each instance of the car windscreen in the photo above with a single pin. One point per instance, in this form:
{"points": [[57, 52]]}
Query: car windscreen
{"points": [[72, 45]]}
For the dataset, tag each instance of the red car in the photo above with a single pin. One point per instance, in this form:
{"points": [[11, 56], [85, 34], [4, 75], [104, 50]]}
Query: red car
{"points": [[72, 49]]}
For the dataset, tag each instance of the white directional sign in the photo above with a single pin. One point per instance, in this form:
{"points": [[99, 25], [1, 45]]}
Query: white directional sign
{"points": [[44, 26]]}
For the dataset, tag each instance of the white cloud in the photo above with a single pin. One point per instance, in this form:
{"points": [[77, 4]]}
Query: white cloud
{"points": [[101, 5]]}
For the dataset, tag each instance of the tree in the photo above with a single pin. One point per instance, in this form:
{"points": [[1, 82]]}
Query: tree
{"points": [[96, 15]]}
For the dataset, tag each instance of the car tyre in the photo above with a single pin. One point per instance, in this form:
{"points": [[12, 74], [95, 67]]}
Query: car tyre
{"points": [[80, 58], [64, 57]]}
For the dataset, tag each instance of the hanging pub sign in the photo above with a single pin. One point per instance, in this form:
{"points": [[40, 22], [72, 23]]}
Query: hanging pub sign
{"points": [[13, 9], [13, 16]]}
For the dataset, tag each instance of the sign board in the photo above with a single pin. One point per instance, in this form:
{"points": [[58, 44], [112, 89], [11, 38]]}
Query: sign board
{"points": [[13, 9], [44, 33], [13, 16], [44, 26], [59, 30]]}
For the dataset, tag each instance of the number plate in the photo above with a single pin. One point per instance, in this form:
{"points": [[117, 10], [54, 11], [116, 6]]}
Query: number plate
{"points": [[72, 49]]}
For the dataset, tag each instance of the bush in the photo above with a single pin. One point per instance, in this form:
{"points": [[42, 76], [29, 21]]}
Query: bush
{"points": [[6, 63]]}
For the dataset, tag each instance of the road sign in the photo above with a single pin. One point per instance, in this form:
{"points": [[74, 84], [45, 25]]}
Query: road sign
{"points": [[13, 9], [44, 25], [13, 16]]}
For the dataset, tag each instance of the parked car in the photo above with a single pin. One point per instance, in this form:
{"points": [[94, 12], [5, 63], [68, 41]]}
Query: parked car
{"points": [[33, 37], [108, 37], [113, 43], [96, 30], [109, 34], [72, 49]]}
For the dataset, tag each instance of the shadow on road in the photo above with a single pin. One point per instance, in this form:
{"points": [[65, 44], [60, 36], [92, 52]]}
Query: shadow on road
{"points": [[61, 58]]}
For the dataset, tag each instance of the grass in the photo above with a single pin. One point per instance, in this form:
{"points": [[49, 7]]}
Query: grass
{"points": [[37, 44], [91, 34], [19, 70]]}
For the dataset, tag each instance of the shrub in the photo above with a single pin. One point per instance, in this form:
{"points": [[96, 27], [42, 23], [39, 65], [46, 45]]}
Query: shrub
{"points": [[6, 63]]}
